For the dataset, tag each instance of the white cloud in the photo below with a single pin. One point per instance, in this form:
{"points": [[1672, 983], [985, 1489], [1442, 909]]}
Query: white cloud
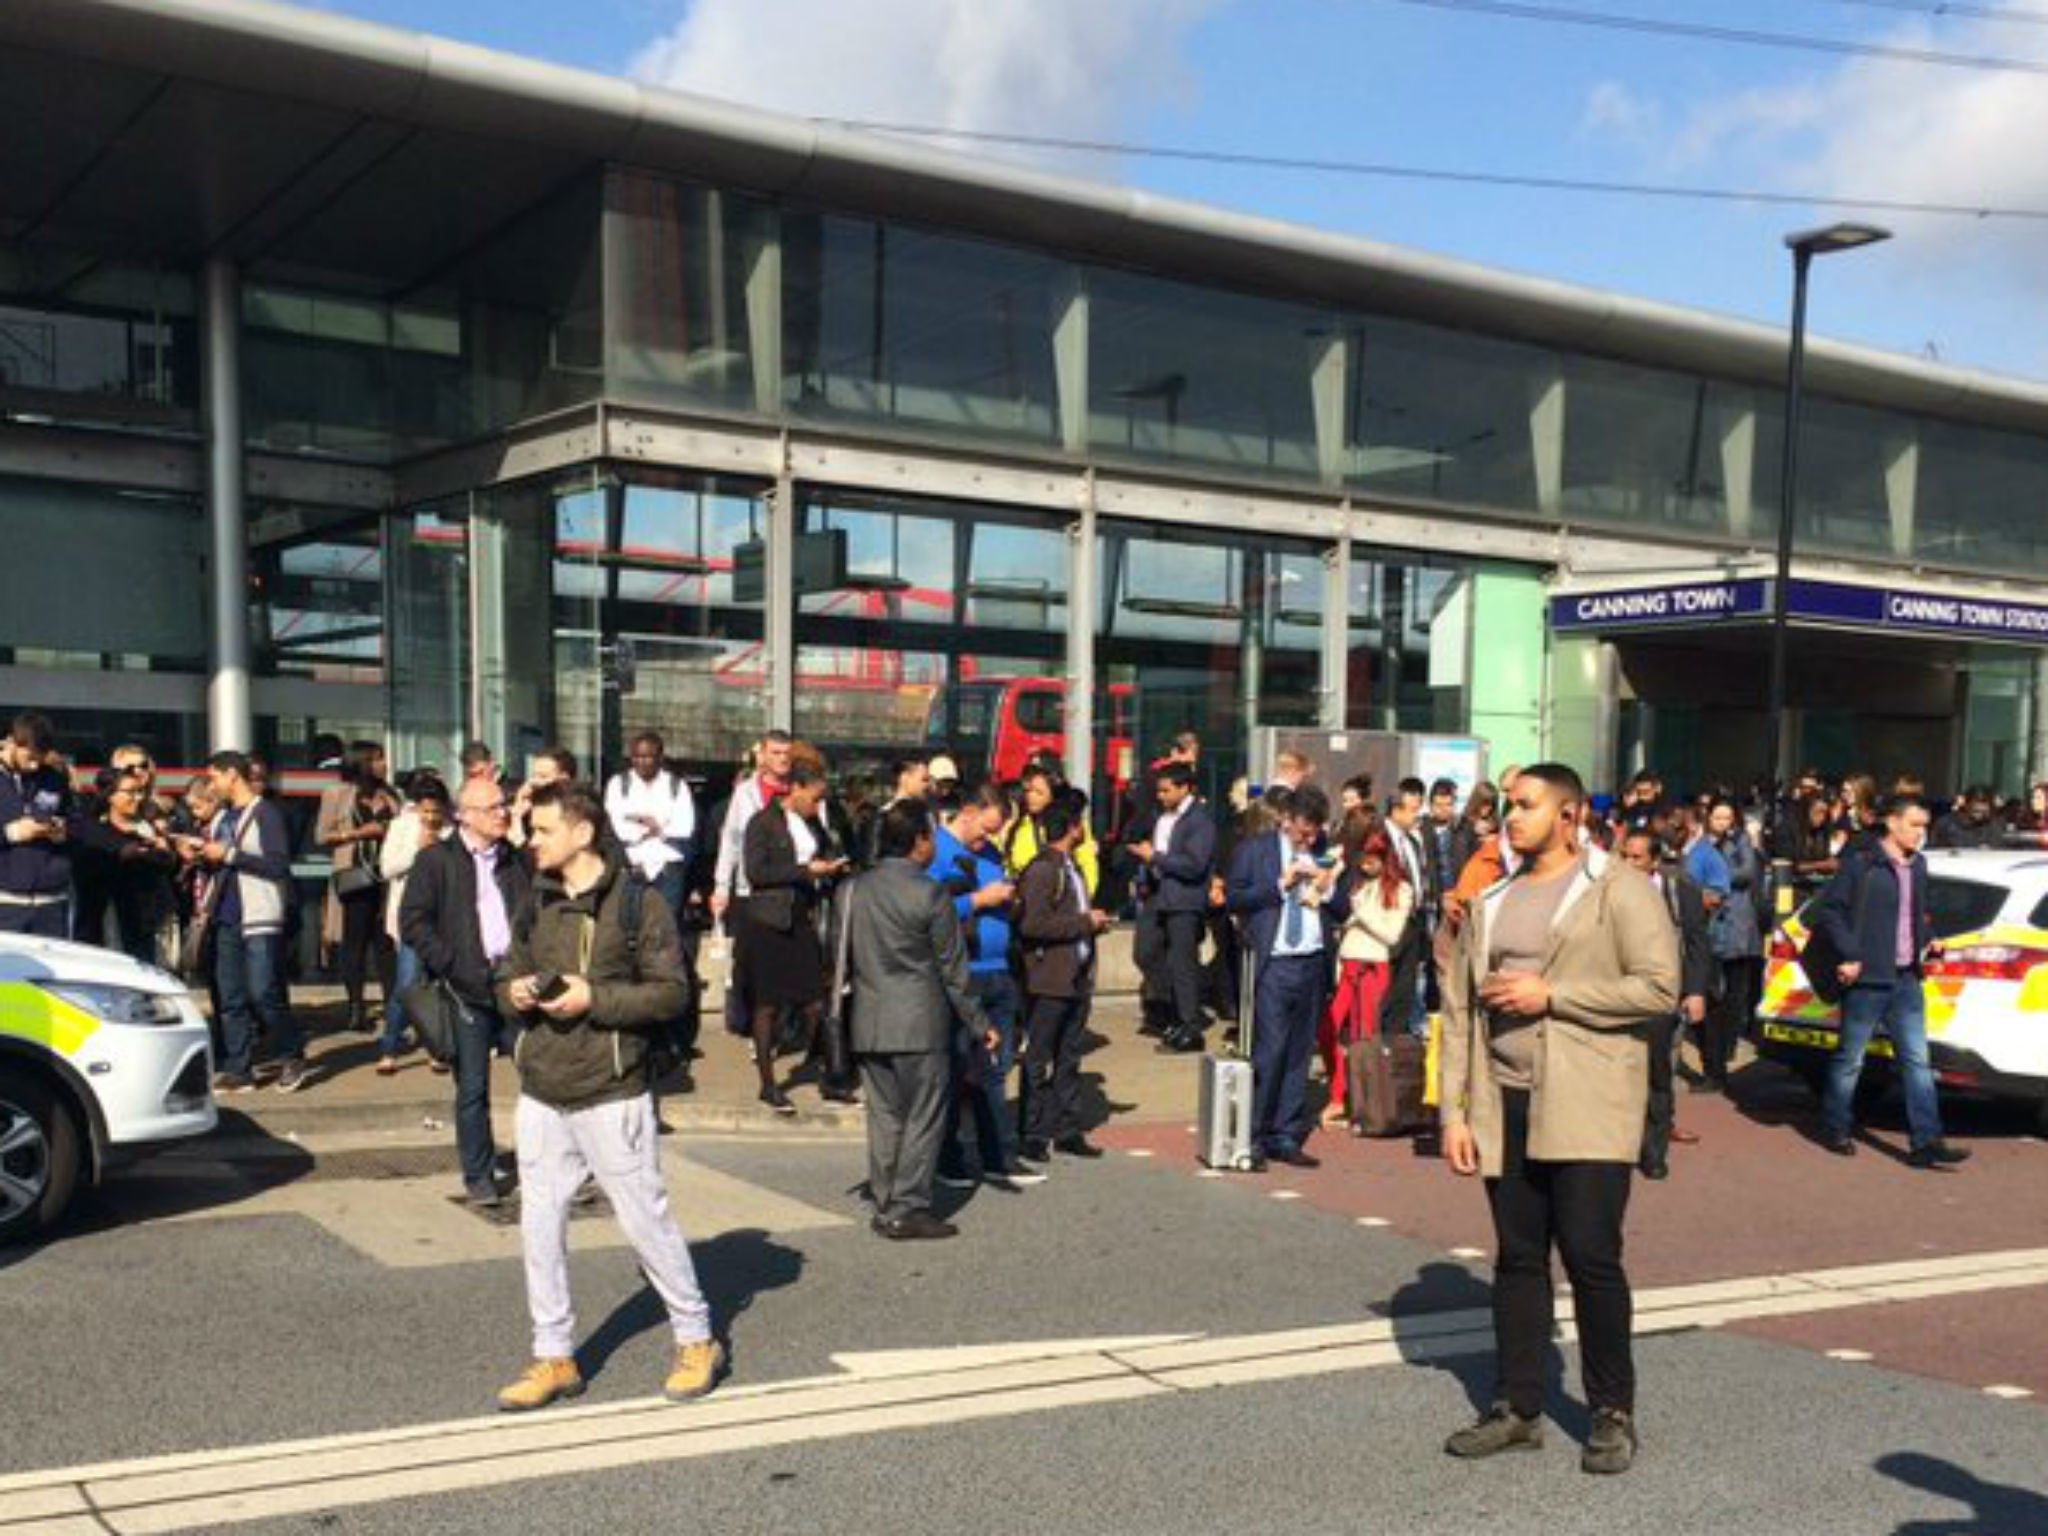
{"points": [[1059, 68], [1615, 110]]}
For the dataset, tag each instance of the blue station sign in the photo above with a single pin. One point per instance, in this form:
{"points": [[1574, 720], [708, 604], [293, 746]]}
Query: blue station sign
{"points": [[1687, 604]]}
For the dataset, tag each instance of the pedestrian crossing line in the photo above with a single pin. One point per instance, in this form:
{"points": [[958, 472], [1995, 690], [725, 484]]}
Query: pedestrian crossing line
{"points": [[894, 1391]]}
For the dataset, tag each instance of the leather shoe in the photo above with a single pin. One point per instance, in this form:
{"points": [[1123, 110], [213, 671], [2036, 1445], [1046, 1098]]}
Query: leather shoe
{"points": [[1077, 1145], [1839, 1143], [1294, 1157], [1937, 1154], [1180, 1042], [1655, 1169], [917, 1226]]}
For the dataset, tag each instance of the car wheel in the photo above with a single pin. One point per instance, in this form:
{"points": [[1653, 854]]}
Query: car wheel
{"points": [[39, 1157]]}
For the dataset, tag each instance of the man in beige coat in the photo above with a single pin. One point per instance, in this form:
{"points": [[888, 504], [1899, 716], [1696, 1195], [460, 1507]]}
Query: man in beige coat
{"points": [[1554, 984]]}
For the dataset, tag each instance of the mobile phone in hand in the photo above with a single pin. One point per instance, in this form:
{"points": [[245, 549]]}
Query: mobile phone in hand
{"points": [[549, 985]]}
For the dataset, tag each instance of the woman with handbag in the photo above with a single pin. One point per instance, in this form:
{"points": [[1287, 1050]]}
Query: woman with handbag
{"points": [[1381, 900], [781, 962], [355, 815]]}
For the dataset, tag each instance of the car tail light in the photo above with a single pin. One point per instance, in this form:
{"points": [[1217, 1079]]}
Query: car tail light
{"points": [[1987, 962]]}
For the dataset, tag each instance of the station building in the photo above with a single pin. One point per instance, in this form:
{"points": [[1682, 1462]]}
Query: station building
{"points": [[362, 382]]}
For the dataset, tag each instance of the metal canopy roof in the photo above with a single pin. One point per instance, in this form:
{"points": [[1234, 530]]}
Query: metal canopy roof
{"points": [[305, 143]]}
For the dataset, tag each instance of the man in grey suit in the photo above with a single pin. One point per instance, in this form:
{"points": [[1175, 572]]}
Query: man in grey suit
{"points": [[910, 980]]}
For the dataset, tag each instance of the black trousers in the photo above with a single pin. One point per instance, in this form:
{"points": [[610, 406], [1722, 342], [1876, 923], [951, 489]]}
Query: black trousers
{"points": [[1663, 1103], [364, 941], [1184, 967], [1729, 1014], [1576, 1208], [1225, 974], [1149, 954], [1052, 1067]]}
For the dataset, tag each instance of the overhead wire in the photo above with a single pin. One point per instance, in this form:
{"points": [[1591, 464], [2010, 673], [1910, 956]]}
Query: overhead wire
{"points": [[1448, 174], [1618, 21]]}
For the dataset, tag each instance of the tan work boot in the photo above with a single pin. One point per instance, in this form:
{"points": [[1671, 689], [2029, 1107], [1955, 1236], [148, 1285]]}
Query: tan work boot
{"points": [[540, 1384], [696, 1370]]}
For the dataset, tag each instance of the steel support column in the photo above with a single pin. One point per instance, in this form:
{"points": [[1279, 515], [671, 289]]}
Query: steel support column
{"points": [[229, 721], [1080, 711]]}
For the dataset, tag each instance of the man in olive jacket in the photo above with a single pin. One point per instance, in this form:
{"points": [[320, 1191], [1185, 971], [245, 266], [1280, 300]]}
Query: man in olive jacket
{"points": [[1558, 977], [591, 993]]}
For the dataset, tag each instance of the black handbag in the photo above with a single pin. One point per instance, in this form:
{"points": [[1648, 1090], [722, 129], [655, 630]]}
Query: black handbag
{"points": [[435, 1013], [356, 879]]}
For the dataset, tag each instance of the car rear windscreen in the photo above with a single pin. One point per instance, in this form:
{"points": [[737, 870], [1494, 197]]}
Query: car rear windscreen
{"points": [[1957, 906]]}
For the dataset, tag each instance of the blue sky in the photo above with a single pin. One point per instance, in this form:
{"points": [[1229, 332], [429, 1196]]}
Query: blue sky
{"points": [[1384, 81]]}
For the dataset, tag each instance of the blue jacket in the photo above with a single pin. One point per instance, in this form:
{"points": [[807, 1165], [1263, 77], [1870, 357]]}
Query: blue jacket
{"points": [[38, 868], [1253, 893], [1860, 911], [1178, 879], [963, 871]]}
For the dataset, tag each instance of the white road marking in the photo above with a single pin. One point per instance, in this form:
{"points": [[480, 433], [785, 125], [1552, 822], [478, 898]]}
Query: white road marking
{"points": [[1210, 1173], [1286, 1194], [886, 1391], [1853, 1356], [411, 1223], [1374, 1221], [1137, 1151], [1468, 1253], [2009, 1393]]}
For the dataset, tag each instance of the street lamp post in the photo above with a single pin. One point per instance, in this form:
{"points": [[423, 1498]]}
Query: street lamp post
{"points": [[1804, 247]]}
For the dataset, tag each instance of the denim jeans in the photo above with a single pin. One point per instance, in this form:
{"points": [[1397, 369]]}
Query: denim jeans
{"points": [[394, 1005], [995, 1131], [248, 971], [477, 1032], [1901, 1010]]}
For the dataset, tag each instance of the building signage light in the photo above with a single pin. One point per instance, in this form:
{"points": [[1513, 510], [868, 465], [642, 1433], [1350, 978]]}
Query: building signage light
{"points": [[1811, 602]]}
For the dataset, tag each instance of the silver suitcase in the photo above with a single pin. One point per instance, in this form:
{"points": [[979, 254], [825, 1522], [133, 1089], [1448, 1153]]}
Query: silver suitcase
{"points": [[1227, 1114]]}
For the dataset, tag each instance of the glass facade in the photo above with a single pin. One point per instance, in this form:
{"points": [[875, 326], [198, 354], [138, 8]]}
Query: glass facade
{"points": [[929, 626], [580, 606]]}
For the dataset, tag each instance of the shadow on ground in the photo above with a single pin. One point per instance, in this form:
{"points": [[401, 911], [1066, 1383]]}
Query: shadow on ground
{"points": [[733, 1268], [1995, 1509]]}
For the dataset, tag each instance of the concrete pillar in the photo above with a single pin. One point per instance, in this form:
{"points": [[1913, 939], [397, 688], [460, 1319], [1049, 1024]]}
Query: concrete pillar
{"points": [[230, 725], [764, 311], [1546, 443], [1335, 687], [1070, 368], [779, 618], [1329, 381], [1738, 469], [1081, 606], [1902, 492]]}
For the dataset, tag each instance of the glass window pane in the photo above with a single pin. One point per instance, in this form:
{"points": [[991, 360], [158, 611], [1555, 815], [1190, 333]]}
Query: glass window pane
{"points": [[1180, 372], [884, 667], [883, 320], [680, 261], [1439, 415], [1409, 622]]}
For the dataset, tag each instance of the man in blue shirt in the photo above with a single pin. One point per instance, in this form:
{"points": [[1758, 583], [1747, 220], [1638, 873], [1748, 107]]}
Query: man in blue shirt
{"points": [[967, 860], [1284, 893]]}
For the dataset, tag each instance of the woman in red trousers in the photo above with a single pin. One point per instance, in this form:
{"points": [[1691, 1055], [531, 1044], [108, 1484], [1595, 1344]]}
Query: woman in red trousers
{"points": [[1381, 902]]}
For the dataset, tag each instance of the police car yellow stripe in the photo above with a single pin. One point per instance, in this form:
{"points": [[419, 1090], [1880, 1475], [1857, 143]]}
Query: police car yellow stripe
{"points": [[29, 1013]]}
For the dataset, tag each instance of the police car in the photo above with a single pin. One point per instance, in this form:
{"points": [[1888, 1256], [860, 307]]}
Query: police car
{"points": [[101, 1059], [1986, 992]]}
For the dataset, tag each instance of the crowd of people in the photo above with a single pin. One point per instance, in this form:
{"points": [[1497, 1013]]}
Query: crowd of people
{"points": [[920, 950]]}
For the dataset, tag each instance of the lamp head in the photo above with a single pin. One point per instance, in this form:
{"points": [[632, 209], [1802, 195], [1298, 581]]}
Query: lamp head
{"points": [[1835, 237]]}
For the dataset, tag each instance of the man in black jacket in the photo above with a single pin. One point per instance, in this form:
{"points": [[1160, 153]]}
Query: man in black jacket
{"points": [[37, 815], [1176, 860], [457, 915], [1642, 849], [1875, 913]]}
